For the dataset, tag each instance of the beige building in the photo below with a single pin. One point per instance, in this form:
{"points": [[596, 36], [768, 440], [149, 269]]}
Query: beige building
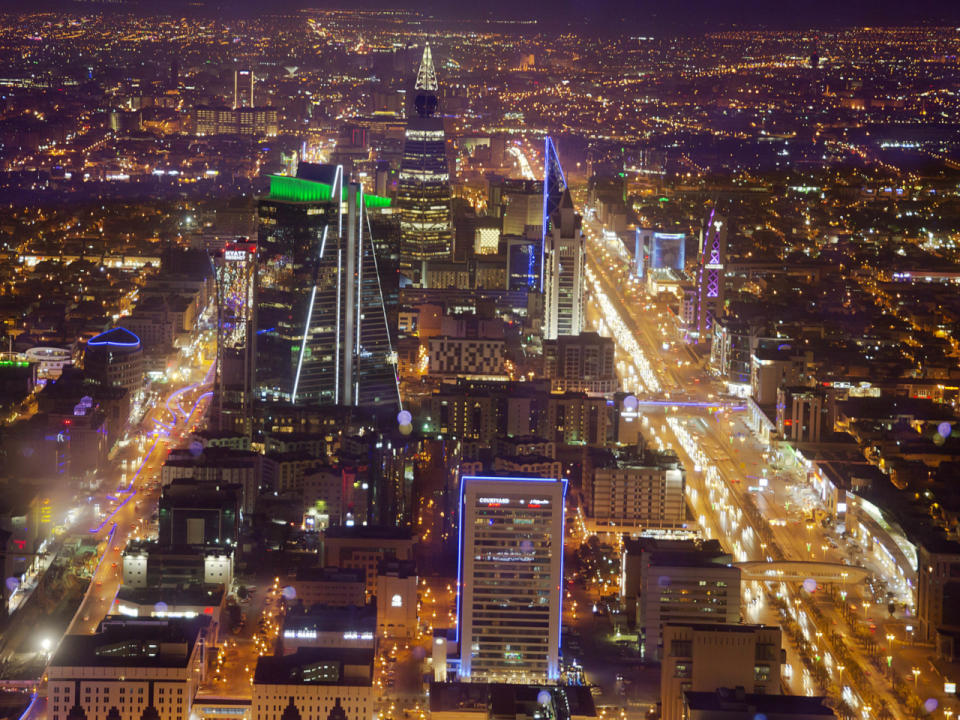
{"points": [[704, 657], [128, 666], [681, 581], [397, 599], [365, 547], [314, 681], [636, 491]]}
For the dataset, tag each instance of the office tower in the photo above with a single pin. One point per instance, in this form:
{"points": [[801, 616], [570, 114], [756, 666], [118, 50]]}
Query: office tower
{"points": [[581, 363], [115, 358], [710, 290], [678, 581], [240, 80], [423, 190], [321, 332], [554, 187], [510, 578], [563, 283], [703, 658], [235, 271]]}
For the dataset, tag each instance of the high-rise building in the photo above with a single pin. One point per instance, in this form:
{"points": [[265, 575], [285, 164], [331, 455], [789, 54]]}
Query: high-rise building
{"points": [[564, 261], [510, 579], [321, 331], [236, 269], [240, 80], [423, 189], [710, 280]]}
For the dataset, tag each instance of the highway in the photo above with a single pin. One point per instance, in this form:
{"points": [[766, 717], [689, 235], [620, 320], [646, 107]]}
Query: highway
{"points": [[738, 489]]}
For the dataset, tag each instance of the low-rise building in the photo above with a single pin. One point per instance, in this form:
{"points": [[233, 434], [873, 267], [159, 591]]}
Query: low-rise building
{"points": [[127, 668], [397, 599], [312, 683], [365, 547], [737, 704], [335, 587], [705, 657]]}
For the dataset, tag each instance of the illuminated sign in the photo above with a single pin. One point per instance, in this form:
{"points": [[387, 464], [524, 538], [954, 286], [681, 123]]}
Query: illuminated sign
{"points": [[235, 255], [494, 500]]}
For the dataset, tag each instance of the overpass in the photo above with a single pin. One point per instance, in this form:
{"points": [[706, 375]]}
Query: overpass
{"points": [[800, 570]]}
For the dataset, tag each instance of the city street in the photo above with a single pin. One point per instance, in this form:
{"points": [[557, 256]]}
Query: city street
{"points": [[725, 476]]}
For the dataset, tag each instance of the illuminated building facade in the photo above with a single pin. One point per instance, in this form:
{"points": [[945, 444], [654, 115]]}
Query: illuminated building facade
{"points": [[510, 578], [656, 250], [236, 268], [710, 290], [563, 285], [423, 190], [321, 332], [115, 357]]}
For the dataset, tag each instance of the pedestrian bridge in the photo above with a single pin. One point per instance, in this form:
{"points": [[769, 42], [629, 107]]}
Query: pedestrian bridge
{"points": [[800, 570]]}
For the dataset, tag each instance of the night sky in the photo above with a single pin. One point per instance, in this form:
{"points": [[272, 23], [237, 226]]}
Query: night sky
{"points": [[675, 16]]}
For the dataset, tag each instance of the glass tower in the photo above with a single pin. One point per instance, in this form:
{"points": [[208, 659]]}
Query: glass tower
{"points": [[321, 332], [423, 189]]}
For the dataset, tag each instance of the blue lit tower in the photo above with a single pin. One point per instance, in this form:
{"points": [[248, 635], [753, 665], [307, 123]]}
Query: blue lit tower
{"points": [[554, 185], [710, 283], [423, 187], [510, 579], [321, 330], [563, 284]]}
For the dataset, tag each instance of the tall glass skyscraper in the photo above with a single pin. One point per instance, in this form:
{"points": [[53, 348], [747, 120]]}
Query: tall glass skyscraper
{"points": [[423, 189], [564, 262], [321, 333], [510, 579]]}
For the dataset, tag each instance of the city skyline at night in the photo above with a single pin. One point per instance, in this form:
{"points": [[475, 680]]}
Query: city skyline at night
{"points": [[581, 361]]}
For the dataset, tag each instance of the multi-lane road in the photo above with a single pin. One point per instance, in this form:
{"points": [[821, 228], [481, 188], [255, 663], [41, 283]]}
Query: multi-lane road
{"points": [[730, 470]]}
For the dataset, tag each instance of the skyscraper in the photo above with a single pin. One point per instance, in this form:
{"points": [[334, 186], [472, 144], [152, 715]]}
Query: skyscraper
{"points": [[235, 271], [563, 283], [510, 578], [423, 189], [321, 331], [710, 289]]}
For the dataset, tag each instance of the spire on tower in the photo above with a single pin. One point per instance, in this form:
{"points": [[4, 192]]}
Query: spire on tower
{"points": [[426, 76]]}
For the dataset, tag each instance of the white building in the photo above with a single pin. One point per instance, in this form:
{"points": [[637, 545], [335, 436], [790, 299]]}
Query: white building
{"points": [[128, 666], [511, 577], [564, 265], [704, 658], [635, 493], [397, 599]]}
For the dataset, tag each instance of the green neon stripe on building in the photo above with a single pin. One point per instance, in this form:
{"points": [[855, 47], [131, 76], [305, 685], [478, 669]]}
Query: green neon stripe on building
{"points": [[292, 189]]}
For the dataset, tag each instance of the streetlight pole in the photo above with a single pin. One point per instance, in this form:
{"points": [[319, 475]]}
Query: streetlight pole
{"points": [[916, 676]]}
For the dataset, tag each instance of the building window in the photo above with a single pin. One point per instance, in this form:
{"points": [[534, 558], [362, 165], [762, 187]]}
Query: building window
{"points": [[761, 672], [683, 670]]}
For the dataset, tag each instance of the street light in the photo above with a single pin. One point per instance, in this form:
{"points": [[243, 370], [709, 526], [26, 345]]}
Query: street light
{"points": [[916, 676]]}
